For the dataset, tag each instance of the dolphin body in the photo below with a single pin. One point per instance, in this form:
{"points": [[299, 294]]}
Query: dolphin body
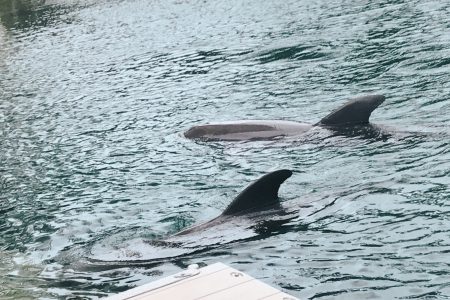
{"points": [[254, 212], [355, 112], [261, 195]]}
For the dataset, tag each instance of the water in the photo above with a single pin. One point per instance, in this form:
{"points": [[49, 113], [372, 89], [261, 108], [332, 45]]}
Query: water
{"points": [[94, 96]]}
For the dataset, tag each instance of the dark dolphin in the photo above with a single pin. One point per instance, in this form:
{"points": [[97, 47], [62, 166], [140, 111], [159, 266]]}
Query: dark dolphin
{"points": [[355, 112], [256, 211], [259, 196]]}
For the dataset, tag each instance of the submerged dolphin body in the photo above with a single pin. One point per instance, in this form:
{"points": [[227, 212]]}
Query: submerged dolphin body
{"points": [[255, 211], [355, 112]]}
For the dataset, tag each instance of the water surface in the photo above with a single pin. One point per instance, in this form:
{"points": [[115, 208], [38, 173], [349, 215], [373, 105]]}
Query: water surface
{"points": [[95, 95]]}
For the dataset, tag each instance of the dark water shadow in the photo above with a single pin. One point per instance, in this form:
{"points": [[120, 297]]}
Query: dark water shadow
{"points": [[368, 132], [298, 52], [28, 14], [389, 138]]}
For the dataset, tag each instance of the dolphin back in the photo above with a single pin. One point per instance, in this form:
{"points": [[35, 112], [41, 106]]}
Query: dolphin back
{"points": [[355, 111], [261, 193]]}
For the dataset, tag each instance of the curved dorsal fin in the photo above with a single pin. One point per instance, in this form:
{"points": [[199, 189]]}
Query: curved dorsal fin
{"points": [[261, 193], [355, 111]]}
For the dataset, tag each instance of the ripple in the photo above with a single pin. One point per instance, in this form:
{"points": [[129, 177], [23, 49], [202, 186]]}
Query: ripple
{"points": [[95, 98], [293, 52]]}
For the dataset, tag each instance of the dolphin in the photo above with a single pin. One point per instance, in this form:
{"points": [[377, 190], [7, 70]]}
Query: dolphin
{"points": [[355, 112], [254, 212], [261, 195]]}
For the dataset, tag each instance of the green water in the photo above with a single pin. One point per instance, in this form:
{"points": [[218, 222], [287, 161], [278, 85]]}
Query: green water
{"points": [[95, 95]]}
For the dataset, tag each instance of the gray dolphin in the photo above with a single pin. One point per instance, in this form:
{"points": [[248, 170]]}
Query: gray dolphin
{"points": [[254, 212], [261, 195], [355, 112]]}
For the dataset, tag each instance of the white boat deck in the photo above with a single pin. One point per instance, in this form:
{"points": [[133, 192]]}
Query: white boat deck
{"points": [[214, 282]]}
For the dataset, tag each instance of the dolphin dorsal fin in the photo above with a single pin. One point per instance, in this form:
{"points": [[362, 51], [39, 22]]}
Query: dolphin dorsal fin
{"points": [[263, 192], [355, 111]]}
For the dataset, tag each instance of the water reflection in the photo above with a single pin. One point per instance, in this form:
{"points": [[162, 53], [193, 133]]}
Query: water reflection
{"points": [[23, 14], [2, 34], [3, 41]]}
